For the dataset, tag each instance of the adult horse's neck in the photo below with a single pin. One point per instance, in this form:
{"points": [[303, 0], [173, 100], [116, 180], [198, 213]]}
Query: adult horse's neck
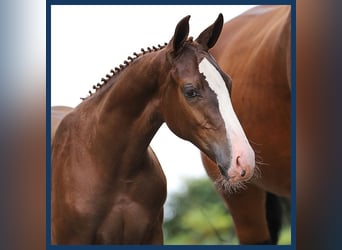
{"points": [[280, 29], [287, 38], [123, 115]]}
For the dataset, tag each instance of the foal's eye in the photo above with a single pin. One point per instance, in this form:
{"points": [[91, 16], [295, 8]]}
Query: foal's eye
{"points": [[190, 91]]}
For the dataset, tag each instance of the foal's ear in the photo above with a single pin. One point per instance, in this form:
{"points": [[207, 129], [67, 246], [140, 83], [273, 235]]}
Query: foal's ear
{"points": [[209, 36], [181, 34]]}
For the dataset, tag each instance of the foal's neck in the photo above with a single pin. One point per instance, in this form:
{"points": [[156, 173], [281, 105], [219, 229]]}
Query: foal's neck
{"points": [[126, 114]]}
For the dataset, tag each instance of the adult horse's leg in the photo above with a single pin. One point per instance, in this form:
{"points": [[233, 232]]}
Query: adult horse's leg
{"points": [[247, 207], [249, 214], [274, 215]]}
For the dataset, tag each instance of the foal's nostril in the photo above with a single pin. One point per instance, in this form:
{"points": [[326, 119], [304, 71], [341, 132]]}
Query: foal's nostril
{"points": [[238, 160], [243, 173]]}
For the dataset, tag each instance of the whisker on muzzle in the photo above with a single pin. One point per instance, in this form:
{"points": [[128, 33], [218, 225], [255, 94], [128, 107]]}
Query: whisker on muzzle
{"points": [[257, 172], [222, 184], [258, 162]]}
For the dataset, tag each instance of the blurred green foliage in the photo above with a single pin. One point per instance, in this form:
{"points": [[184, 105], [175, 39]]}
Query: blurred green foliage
{"points": [[198, 216], [285, 235]]}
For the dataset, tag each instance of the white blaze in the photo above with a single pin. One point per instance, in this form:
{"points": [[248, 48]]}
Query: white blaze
{"points": [[234, 131]]}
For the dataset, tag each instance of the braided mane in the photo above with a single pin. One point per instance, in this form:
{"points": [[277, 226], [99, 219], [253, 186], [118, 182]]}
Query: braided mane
{"points": [[121, 67]]}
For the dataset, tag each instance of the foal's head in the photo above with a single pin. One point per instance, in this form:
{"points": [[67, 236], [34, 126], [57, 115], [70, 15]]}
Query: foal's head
{"points": [[196, 106]]}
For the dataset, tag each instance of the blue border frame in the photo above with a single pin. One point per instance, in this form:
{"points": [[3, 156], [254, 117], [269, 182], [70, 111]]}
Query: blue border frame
{"points": [[48, 124], [293, 124], [175, 2], [170, 2]]}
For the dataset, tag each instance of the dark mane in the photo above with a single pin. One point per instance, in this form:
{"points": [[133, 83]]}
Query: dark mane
{"points": [[121, 67]]}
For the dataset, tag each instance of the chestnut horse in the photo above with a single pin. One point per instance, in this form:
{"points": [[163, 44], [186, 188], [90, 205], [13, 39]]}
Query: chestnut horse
{"points": [[107, 185], [57, 115], [255, 49]]}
